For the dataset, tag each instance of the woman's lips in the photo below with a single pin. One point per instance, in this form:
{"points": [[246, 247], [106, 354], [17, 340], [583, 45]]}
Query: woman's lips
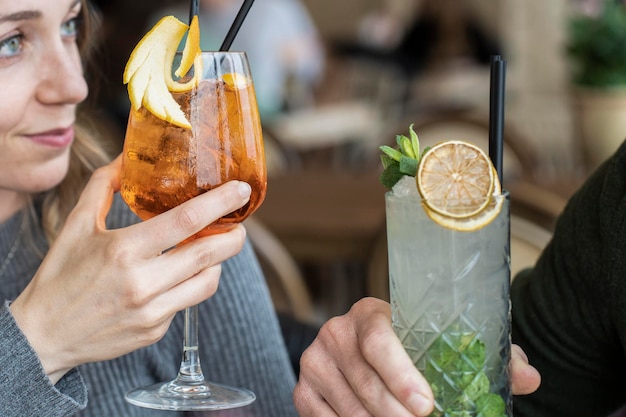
{"points": [[57, 138]]}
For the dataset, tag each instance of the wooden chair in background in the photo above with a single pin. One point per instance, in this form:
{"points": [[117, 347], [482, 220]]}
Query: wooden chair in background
{"points": [[535, 203], [328, 222], [293, 303], [284, 278]]}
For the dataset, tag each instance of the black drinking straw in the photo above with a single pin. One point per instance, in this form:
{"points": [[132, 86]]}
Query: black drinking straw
{"points": [[234, 28], [194, 10], [496, 112]]}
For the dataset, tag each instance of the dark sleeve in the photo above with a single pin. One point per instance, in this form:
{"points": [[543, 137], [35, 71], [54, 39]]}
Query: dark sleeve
{"points": [[569, 311]]}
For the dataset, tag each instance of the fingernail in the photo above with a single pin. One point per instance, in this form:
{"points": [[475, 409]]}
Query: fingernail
{"points": [[420, 405], [244, 189]]}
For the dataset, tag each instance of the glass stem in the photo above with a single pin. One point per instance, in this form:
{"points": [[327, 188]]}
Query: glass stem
{"points": [[190, 372]]}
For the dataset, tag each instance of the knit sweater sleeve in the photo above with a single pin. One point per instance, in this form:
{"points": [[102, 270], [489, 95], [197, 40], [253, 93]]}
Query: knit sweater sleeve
{"points": [[569, 311], [24, 387]]}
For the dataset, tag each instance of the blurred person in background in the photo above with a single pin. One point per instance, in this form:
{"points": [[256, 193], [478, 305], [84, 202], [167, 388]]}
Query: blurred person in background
{"points": [[423, 33], [440, 49], [284, 49], [445, 31]]}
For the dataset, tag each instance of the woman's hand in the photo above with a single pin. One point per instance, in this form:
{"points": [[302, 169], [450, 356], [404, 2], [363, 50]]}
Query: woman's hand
{"points": [[102, 293], [357, 367]]}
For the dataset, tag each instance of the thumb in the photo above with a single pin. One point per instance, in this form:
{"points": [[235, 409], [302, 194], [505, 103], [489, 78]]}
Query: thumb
{"points": [[525, 379], [97, 197]]}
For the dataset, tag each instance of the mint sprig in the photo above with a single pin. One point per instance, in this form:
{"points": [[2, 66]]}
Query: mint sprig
{"points": [[456, 374], [402, 160]]}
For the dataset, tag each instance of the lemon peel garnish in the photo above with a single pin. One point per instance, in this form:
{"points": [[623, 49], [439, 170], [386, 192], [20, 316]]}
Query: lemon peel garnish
{"points": [[235, 81], [148, 71]]}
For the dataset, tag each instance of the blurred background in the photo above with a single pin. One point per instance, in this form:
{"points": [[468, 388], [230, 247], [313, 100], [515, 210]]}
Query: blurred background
{"points": [[337, 79]]}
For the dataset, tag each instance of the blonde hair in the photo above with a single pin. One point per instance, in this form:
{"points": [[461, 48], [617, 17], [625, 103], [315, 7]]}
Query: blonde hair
{"points": [[89, 151]]}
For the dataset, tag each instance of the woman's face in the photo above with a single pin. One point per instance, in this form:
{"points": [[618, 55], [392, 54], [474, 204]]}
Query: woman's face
{"points": [[41, 82]]}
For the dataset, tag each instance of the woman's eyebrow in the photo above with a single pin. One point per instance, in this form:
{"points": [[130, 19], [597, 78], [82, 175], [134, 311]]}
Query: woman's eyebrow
{"points": [[22, 15], [27, 14]]}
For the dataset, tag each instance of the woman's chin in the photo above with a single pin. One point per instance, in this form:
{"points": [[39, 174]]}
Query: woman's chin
{"points": [[47, 176]]}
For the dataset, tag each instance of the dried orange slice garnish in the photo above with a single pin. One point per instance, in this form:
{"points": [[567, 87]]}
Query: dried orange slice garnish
{"points": [[459, 186], [148, 70], [476, 221], [455, 179]]}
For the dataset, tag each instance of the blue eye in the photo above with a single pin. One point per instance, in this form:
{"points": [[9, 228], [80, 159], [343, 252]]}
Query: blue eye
{"points": [[11, 47], [70, 28]]}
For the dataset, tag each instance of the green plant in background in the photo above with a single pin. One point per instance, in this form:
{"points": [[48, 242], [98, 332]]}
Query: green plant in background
{"points": [[597, 47], [456, 373]]}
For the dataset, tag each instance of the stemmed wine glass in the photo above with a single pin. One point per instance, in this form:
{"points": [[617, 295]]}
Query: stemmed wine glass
{"points": [[164, 165]]}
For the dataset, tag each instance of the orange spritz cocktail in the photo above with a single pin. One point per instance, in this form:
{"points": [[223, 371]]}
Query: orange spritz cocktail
{"points": [[193, 126], [165, 164]]}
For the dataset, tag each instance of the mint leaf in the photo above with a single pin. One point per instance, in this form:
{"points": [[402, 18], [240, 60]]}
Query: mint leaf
{"points": [[387, 160], [408, 165], [391, 175], [478, 387], [475, 354], [407, 147], [392, 153], [415, 142], [490, 405], [407, 155], [455, 372]]}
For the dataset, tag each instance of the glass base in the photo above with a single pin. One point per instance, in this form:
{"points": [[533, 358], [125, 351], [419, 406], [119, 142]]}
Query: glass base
{"points": [[190, 397]]}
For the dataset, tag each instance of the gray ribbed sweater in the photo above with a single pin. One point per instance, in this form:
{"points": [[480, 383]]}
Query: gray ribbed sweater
{"points": [[240, 343]]}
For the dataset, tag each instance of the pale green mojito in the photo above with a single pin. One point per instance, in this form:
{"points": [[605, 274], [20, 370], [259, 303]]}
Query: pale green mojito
{"points": [[450, 305]]}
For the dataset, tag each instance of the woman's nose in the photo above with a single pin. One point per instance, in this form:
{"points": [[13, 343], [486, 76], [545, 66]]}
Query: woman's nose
{"points": [[62, 80]]}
